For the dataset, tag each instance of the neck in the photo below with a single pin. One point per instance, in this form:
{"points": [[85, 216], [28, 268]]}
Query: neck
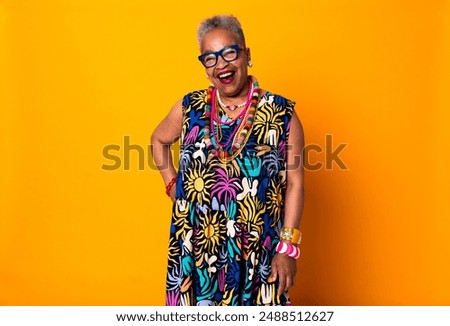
{"points": [[239, 99]]}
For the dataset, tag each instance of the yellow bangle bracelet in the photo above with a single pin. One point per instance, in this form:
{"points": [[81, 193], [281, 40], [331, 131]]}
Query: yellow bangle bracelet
{"points": [[291, 234]]}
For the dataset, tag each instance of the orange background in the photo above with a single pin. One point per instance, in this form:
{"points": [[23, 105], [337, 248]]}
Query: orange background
{"points": [[77, 75]]}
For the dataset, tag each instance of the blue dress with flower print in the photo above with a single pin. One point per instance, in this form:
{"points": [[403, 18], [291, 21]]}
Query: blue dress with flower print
{"points": [[227, 215]]}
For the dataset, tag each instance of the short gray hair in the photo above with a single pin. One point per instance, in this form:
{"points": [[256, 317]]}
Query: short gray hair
{"points": [[227, 22]]}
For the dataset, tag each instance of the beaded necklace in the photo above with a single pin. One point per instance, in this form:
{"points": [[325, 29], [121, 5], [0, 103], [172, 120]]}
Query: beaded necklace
{"points": [[242, 131], [230, 107], [217, 127], [215, 116]]}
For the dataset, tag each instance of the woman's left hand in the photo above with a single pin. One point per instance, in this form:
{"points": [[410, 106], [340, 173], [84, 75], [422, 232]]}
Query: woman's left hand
{"points": [[284, 269]]}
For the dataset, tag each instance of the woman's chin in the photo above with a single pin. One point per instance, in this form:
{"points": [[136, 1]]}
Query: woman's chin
{"points": [[230, 88]]}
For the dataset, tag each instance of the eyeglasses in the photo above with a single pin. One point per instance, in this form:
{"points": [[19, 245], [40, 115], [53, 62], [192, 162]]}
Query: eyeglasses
{"points": [[228, 53]]}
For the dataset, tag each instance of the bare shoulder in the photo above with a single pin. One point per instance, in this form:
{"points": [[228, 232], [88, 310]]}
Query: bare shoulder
{"points": [[296, 123]]}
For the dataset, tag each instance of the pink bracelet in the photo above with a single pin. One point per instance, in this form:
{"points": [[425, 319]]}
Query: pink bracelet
{"points": [[288, 249]]}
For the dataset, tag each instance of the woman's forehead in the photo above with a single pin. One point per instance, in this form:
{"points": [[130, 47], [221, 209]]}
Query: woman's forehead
{"points": [[216, 39]]}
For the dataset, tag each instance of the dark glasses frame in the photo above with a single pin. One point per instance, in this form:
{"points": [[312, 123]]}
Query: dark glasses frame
{"points": [[219, 53]]}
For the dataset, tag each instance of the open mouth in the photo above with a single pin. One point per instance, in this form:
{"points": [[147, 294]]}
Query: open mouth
{"points": [[226, 77]]}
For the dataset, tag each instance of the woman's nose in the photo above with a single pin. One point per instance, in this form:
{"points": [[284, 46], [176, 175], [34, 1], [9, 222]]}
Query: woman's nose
{"points": [[221, 62]]}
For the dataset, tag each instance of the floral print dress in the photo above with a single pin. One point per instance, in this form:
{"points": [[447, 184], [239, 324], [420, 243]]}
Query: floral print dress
{"points": [[227, 215]]}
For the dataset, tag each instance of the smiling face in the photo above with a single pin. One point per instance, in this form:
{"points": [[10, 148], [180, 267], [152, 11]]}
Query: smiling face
{"points": [[230, 78]]}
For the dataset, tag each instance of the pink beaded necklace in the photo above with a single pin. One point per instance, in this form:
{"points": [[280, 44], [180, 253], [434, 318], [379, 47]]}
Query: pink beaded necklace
{"points": [[241, 114], [241, 132]]}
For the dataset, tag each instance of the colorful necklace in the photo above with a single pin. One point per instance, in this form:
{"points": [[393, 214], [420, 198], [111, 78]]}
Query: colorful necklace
{"points": [[217, 136], [216, 117], [231, 107], [242, 130]]}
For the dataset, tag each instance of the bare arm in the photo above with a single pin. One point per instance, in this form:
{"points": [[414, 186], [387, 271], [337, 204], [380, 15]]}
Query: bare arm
{"points": [[165, 134], [294, 191], [284, 267]]}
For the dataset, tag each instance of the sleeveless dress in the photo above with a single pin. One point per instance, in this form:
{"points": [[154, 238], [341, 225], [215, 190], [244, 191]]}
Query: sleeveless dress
{"points": [[227, 215]]}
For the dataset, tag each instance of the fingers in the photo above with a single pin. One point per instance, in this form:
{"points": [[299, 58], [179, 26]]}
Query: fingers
{"points": [[281, 283], [283, 269], [289, 282], [285, 282], [274, 275]]}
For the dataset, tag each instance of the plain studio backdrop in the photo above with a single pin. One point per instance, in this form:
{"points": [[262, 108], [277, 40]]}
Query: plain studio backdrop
{"points": [[79, 76]]}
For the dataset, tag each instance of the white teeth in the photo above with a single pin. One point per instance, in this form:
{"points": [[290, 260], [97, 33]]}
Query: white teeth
{"points": [[226, 75]]}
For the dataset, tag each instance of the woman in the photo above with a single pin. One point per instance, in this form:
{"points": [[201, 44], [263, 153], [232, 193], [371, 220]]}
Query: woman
{"points": [[238, 192]]}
